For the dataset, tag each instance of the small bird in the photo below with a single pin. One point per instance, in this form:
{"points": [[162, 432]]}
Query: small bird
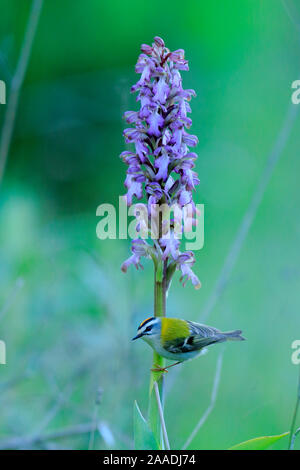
{"points": [[180, 340]]}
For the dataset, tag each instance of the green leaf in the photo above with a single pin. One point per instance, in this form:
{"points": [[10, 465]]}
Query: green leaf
{"points": [[259, 443], [143, 436]]}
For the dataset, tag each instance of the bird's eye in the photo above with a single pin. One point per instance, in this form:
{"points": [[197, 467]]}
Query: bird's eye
{"points": [[148, 328]]}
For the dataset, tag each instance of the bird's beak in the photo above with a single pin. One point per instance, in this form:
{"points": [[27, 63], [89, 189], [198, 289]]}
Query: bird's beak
{"points": [[137, 336]]}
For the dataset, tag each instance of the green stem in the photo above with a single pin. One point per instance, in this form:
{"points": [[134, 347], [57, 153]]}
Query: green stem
{"points": [[158, 361], [293, 425]]}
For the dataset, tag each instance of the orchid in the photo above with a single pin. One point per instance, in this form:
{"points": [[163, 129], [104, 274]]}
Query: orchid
{"points": [[160, 168]]}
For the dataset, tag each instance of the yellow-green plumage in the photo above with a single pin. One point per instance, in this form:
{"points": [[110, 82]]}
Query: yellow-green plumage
{"points": [[173, 328]]}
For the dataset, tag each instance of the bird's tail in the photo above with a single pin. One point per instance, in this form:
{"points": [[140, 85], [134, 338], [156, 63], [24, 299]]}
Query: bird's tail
{"points": [[235, 335]]}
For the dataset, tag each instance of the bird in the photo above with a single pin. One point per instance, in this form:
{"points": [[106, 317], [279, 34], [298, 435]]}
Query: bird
{"points": [[181, 340]]}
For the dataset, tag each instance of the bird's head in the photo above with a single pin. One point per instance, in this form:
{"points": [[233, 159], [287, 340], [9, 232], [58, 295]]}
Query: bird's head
{"points": [[149, 329]]}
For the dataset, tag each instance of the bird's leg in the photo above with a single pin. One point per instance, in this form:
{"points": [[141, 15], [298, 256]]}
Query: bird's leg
{"points": [[165, 369], [158, 369], [174, 364]]}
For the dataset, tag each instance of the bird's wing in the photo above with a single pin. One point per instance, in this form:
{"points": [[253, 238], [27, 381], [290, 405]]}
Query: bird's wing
{"points": [[179, 345], [202, 335], [199, 337], [203, 331]]}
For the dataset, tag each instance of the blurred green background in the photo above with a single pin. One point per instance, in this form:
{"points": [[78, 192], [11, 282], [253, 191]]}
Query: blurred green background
{"points": [[67, 312]]}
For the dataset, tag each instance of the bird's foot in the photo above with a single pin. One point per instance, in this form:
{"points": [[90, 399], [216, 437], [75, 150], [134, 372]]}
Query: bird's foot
{"points": [[159, 369]]}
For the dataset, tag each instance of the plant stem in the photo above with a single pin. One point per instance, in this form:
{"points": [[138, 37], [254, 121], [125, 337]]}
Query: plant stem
{"points": [[16, 84], [159, 311], [158, 361], [294, 438], [295, 414], [161, 415]]}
